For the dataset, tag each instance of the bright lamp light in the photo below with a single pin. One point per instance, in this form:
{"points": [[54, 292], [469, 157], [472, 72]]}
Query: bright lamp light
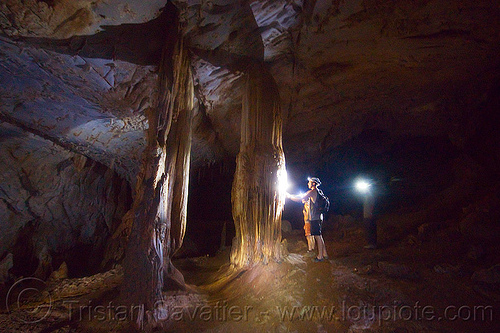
{"points": [[362, 186], [283, 184]]}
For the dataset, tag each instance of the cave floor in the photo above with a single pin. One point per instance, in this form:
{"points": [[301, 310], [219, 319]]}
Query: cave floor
{"points": [[409, 285]]}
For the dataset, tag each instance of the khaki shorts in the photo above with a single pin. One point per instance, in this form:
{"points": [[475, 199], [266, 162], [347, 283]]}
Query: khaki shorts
{"points": [[307, 228]]}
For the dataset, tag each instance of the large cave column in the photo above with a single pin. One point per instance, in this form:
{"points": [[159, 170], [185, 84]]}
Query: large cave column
{"points": [[160, 205], [257, 197], [177, 166]]}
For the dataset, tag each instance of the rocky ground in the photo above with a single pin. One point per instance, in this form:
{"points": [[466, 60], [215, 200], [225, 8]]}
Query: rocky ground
{"points": [[432, 281]]}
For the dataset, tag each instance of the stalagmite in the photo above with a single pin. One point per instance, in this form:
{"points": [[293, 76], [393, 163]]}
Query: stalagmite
{"points": [[160, 206], [257, 194]]}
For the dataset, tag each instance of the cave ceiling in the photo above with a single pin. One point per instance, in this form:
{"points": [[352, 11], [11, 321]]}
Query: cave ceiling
{"points": [[82, 73]]}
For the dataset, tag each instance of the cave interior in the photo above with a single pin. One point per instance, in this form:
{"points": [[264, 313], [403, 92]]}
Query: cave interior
{"points": [[154, 131]]}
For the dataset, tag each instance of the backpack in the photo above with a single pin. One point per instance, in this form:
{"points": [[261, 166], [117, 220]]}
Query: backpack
{"points": [[322, 202]]}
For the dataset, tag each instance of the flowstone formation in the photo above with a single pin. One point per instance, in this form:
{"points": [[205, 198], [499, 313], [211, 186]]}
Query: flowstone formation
{"points": [[258, 195], [160, 207]]}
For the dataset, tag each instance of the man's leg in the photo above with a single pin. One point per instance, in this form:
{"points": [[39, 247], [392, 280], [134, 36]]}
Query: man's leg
{"points": [[310, 242], [321, 247], [310, 239]]}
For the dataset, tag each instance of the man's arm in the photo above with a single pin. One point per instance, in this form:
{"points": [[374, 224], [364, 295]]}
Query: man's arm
{"points": [[298, 197]]}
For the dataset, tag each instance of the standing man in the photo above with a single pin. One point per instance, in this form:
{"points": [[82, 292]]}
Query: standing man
{"points": [[312, 215], [369, 220], [370, 225]]}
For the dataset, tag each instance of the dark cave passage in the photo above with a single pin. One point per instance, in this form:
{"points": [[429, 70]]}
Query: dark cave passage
{"points": [[209, 211]]}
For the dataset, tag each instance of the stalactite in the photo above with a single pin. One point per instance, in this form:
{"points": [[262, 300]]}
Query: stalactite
{"points": [[257, 197], [160, 206]]}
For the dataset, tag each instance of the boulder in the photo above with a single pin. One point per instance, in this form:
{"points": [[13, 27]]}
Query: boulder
{"points": [[5, 265], [61, 273], [286, 226]]}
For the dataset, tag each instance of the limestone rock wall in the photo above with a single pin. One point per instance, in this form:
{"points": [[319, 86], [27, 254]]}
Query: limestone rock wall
{"points": [[55, 206], [66, 18], [87, 105], [343, 67]]}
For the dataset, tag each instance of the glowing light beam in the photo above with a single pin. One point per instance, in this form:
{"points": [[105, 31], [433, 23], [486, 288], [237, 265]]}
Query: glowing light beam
{"points": [[283, 184], [362, 186]]}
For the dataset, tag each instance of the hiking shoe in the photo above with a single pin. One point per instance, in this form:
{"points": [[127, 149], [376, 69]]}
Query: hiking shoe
{"points": [[318, 259]]}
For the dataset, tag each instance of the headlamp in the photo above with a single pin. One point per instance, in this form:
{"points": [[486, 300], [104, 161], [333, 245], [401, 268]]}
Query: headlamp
{"points": [[362, 186]]}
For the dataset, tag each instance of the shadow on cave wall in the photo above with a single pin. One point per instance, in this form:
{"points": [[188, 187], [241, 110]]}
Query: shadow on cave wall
{"points": [[140, 44], [102, 198]]}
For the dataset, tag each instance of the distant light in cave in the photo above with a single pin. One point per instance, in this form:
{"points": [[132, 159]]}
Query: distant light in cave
{"points": [[362, 186]]}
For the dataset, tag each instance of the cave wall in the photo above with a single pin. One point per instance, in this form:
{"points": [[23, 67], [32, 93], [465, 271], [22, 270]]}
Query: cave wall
{"points": [[66, 18], [55, 206], [91, 106], [343, 67]]}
